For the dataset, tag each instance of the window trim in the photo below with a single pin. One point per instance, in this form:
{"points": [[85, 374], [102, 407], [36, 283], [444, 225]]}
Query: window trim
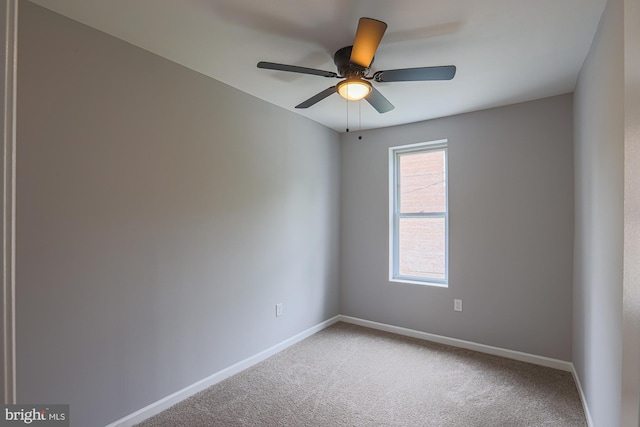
{"points": [[394, 215]]}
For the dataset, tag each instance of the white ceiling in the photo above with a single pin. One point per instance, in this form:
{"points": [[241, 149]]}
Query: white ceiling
{"points": [[506, 51]]}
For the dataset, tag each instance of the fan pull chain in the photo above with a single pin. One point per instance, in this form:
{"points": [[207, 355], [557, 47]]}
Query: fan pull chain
{"points": [[347, 104], [360, 119]]}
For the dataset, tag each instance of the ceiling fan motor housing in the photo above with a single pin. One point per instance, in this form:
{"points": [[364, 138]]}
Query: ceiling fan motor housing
{"points": [[342, 59]]}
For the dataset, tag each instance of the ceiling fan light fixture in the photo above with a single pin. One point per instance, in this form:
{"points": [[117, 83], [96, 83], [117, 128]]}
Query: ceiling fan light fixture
{"points": [[354, 89]]}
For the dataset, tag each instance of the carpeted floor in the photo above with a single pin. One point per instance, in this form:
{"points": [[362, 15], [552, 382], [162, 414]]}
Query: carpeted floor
{"points": [[347, 375]]}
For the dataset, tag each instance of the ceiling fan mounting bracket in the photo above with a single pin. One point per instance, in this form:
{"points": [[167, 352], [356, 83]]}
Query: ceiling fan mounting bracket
{"points": [[342, 59], [377, 76]]}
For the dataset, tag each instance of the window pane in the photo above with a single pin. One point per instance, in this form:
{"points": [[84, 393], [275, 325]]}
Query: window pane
{"points": [[422, 182], [422, 247]]}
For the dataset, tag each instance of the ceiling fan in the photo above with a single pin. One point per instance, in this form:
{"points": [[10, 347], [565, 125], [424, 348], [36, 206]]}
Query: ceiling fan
{"points": [[353, 64]]}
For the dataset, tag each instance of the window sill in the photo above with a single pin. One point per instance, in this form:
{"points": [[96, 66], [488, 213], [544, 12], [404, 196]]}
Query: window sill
{"points": [[420, 282]]}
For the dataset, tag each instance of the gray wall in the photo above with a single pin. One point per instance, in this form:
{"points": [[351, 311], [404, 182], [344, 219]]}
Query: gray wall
{"points": [[631, 280], [161, 216], [599, 167], [511, 229]]}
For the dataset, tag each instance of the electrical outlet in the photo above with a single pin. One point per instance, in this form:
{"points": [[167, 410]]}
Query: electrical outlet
{"points": [[457, 304], [279, 310]]}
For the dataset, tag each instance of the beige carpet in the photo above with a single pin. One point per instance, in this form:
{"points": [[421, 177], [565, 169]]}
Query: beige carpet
{"points": [[348, 375]]}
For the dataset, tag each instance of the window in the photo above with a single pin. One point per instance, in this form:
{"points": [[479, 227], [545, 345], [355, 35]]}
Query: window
{"points": [[418, 214]]}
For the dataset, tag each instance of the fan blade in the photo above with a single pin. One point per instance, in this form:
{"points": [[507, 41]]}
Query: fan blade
{"points": [[317, 97], [445, 72], [378, 101], [368, 37], [295, 69]]}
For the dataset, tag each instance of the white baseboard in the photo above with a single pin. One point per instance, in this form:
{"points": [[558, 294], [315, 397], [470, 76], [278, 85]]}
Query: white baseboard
{"points": [[469, 345], [583, 398], [165, 403]]}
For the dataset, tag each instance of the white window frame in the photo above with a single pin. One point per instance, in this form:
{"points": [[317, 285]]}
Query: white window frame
{"points": [[395, 215]]}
